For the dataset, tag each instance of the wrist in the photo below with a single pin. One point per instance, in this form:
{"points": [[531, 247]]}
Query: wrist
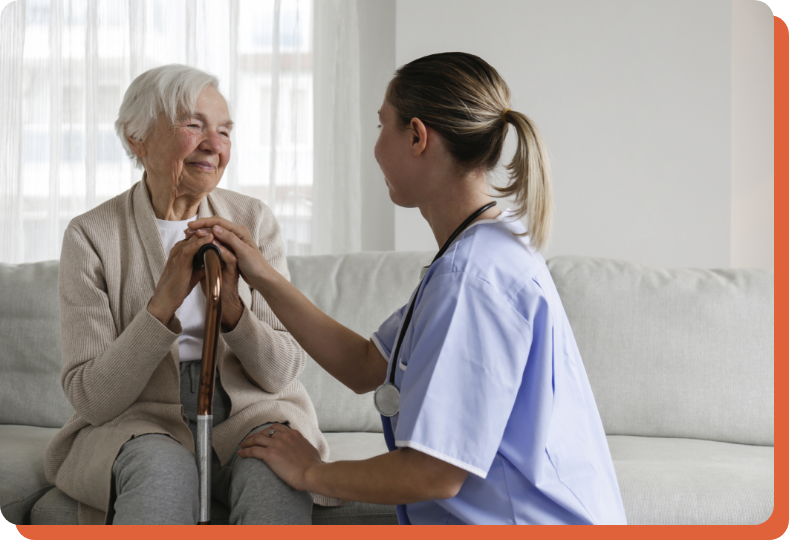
{"points": [[312, 479], [231, 315], [162, 312], [266, 281]]}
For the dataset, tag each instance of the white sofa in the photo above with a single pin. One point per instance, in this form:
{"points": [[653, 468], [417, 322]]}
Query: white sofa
{"points": [[680, 362]]}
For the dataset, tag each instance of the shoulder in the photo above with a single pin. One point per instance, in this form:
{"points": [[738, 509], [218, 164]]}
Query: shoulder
{"points": [[253, 213], [105, 220], [494, 253]]}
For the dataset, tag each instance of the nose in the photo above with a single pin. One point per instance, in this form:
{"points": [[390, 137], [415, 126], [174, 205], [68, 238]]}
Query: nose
{"points": [[212, 143]]}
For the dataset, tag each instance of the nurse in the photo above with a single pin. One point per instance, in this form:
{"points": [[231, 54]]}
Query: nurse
{"points": [[491, 418]]}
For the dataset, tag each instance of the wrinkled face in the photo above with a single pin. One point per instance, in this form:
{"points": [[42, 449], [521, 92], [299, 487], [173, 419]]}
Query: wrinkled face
{"points": [[394, 155], [192, 154]]}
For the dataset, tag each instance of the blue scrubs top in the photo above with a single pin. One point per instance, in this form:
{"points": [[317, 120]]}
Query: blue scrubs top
{"points": [[491, 381]]}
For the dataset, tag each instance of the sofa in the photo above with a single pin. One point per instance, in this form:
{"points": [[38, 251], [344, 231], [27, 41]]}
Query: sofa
{"points": [[680, 362]]}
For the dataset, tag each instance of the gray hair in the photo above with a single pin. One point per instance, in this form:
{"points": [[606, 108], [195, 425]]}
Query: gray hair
{"points": [[171, 90]]}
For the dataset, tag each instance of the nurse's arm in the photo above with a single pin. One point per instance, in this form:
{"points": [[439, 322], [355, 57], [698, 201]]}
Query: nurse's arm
{"points": [[403, 476], [400, 477], [348, 357]]}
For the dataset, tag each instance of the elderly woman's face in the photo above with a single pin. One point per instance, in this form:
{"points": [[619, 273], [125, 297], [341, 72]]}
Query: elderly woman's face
{"points": [[193, 153]]}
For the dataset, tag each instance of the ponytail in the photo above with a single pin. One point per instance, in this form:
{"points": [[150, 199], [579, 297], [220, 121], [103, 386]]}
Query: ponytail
{"points": [[530, 180], [466, 101]]}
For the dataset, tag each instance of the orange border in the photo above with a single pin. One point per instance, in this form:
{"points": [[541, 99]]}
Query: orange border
{"points": [[772, 528]]}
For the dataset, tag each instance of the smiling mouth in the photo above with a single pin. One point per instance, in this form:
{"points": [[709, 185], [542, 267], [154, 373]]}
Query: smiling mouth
{"points": [[202, 165]]}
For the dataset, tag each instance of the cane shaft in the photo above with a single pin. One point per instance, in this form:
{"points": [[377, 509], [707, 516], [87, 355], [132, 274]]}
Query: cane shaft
{"points": [[203, 452], [205, 394]]}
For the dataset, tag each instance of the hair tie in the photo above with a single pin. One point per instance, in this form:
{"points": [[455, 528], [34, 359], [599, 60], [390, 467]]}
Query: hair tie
{"points": [[504, 114]]}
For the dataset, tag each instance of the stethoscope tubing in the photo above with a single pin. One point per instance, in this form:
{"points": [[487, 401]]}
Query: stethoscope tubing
{"points": [[441, 252]]}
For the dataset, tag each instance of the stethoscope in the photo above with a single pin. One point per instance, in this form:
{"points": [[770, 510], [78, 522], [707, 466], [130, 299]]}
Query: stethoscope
{"points": [[387, 396]]}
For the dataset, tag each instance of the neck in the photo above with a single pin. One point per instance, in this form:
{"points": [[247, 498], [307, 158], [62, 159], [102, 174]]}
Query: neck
{"points": [[448, 211], [168, 204]]}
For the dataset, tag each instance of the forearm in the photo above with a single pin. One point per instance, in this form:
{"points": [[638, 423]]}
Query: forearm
{"points": [[346, 355], [401, 477], [270, 357], [101, 386]]}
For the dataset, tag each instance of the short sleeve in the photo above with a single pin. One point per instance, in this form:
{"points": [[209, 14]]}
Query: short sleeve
{"points": [[463, 371], [384, 338]]}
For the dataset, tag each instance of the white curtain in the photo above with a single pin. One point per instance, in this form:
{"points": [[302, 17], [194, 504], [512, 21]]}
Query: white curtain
{"points": [[336, 227], [65, 65]]}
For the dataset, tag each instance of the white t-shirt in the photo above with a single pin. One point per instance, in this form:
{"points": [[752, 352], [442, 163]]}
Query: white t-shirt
{"points": [[192, 311]]}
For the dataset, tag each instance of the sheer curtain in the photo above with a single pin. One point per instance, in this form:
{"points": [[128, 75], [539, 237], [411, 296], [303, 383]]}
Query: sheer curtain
{"points": [[65, 64]]}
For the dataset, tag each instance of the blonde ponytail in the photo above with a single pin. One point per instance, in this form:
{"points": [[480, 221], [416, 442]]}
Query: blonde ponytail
{"points": [[467, 102], [530, 180]]}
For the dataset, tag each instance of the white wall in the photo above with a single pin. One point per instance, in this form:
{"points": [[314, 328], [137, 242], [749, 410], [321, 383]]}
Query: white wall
{"points": [[635, 102], [377, 65], [752, 214]]}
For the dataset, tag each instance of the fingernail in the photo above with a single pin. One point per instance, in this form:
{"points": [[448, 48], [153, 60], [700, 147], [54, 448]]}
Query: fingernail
{"points": [[218, 229]]}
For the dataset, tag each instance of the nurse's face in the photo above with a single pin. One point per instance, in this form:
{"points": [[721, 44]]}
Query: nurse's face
{"points": [[394, 154]]}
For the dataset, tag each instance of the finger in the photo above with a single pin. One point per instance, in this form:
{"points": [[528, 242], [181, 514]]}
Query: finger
{"points": [[260, 438], [208, 223], [254, 452], [232, 240], [193, 245], [197, 275], [228, 257]]}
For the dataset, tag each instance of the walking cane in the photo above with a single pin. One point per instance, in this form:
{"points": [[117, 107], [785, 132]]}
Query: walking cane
{"points": [[209, 258]]}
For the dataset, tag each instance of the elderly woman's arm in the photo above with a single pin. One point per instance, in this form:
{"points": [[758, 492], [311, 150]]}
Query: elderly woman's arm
{"points": [[269, 354], [104, 370]]}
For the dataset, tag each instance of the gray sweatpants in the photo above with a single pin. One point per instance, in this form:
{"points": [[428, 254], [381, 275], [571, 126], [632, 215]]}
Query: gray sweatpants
{"points": [[155, 479]]}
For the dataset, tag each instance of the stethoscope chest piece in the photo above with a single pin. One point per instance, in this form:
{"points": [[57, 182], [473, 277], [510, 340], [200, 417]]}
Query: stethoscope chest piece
{"points": [[387, 399]]}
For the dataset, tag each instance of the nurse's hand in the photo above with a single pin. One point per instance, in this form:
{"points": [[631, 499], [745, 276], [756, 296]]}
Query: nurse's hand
{"points": [[286, 452], [253, 266]]}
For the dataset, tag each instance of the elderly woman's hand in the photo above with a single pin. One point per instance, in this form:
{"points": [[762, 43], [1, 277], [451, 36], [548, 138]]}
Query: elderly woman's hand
{"points": [[232, 308], [178, 278]]}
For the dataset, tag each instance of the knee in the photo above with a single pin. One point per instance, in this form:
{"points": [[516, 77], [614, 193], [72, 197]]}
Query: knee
{"points": [[258, 496], [159, 461]]}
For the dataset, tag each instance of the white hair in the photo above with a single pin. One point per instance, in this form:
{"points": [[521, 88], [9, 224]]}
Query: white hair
{"points": [[171, 90]]}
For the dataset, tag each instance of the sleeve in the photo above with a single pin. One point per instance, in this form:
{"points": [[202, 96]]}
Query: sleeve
{"points": [[463, 371], [384, 338], [103, 372], [268, 354]]}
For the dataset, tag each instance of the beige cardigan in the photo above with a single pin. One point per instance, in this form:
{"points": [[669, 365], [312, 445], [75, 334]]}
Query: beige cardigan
{"points": [[121, 366]]}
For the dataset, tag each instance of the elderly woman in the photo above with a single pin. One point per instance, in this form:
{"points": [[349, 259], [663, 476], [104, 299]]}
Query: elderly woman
{"points": [[132, 321]]}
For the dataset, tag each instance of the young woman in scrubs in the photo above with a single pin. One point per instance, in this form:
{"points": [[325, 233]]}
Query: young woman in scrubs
{"points": [[496, 422]]}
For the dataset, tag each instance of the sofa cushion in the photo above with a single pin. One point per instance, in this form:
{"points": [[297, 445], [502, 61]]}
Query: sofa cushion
{"points": [[674, 352], [22, 470], [30, 391], [692, 482], [360, 290]]}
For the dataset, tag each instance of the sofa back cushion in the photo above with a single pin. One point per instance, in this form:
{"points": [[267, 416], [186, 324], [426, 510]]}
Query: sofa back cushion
{"points": [[360, 290], [674, 352], [30, 391]]}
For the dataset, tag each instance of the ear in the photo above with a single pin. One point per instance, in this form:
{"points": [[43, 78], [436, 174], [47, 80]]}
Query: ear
{"points": [[418, 136], [137, 146]]}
